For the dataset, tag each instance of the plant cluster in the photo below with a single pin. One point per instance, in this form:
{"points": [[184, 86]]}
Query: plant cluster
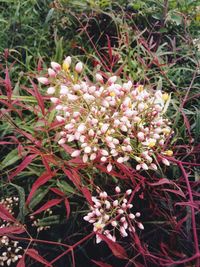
{"points": [[109, 216], [108, 119], [99, 151]]}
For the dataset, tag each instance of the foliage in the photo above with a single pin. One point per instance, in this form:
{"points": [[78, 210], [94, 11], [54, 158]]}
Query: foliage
{"points": [[156, 44]]}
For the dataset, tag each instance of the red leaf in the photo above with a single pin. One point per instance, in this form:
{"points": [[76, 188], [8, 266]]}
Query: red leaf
{"points": [[48, 205], [57, 191], [8, 84], [161, 182], [45, 177], [68, 149], [22, 166], [101, 264], [5, 214], [87, 195], [73, 176], [21, 262], [39, 65], [67, 207], [35, 255], [177, 192], [117, 250], [38, 97], [11, 230], [194, 205], [6, 143]]}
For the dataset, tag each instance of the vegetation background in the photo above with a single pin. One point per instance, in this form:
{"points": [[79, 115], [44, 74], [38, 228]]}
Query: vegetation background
{"points": [[156, 43]]}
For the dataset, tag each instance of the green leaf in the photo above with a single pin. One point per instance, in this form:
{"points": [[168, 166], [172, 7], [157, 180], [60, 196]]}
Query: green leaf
{"points": [[22, 208], [38, 196], [53, 219], [10, 159], [65, 187]]}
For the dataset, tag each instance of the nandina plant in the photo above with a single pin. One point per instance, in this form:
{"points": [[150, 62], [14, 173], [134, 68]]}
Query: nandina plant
{"points": [[139, 210]]}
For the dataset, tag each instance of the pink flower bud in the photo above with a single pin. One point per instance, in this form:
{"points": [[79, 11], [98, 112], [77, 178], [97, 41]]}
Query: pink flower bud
{"points": [[104, 152], [124, 205], [64, 90], [70, 137], [137, 214], [55, 66], [124, 128], [60, 118], [61, 141], [115, 203], [103, 159], [140, 136], [141, 106], [120, 160], [138, 167], [123, 219], [91, 132], [81, 128], [67, 61], [103, 194], [85, 158], [117, 189], [93, 156], [166, 162], [123, 232], [79, 67], [144, 166], [120, 211], [75, 153], [97, 212], [108, 205], [54, 100], [104, 127], [128, 192], [99, 78], [112, 79], [109, 167], [141, 226], [114, 223], [125, 225], [106, 217], [51, 90], [131, 216], [86, 218], [51, 73], [153, 166], [87, 149], [43, 80]]}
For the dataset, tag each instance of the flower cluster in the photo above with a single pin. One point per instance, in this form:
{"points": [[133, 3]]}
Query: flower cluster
{"points": [[36, 222], [110, 216], [109, 119], [10, 251], [10, 203]]}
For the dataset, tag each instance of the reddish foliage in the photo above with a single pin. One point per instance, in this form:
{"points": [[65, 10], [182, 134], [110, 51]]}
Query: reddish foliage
{"points": [[45, 177], [101, 264], [22, 166], [47, 205], [5, 214], [117, 250], [35, 255]]}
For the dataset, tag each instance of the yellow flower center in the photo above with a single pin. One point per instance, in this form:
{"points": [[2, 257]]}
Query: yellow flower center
{"points": [[65, 66], [165, 96], [140, 88], [112, 94], [151, 144], [168, 153]]}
